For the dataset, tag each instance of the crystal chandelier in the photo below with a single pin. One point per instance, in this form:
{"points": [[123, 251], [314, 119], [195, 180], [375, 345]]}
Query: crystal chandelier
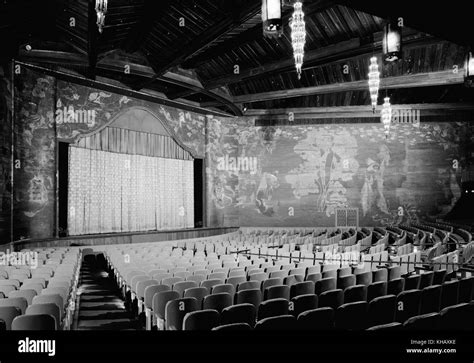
{"points": [[298, 35], [374, 81], [101, 10], [386, 115]]}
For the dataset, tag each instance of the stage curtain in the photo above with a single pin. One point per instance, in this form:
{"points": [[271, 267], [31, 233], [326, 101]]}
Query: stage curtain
{"points": [[115, 192]]}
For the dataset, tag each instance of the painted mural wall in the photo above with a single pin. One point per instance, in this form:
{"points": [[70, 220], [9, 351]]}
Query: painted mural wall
{"points": [[48, 110], [5, 154], [255, 176], [299, 175]]}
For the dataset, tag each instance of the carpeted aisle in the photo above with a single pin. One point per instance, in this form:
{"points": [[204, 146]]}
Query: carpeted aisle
{"points": [[101, 306]]}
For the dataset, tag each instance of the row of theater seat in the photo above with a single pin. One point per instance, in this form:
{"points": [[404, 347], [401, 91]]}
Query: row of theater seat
{"points": [[40, 298]]}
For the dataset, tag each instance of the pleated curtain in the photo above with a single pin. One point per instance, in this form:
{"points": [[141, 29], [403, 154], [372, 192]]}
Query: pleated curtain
{"points": [[115, 192]]}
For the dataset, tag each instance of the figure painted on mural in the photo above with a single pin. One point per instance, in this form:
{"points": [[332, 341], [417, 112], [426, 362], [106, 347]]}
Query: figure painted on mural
{"points": [[372, 193], [264, 195], [222, 195]]}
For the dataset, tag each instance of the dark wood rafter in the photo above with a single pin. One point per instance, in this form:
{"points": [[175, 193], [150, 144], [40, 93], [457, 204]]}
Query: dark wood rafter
{"points": [[93, 35], [153, 10], [250, 35], [338, 52], [406, 81], [427, 18], [208, 37]]}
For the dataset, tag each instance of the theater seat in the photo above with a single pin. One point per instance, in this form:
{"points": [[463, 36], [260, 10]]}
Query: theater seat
{"points": [[317, 319], [382, 310], [408, 305], [449, 293], [302, 288], [285, 322], [7, 314], [176, 310], [273, 307], [352, 316], [233, 327], [253, 296], [412, 282], [394, 287], [201, 320], [240, 313], [430, 299], [377, 289], [355, 293], [426, 279], [466, 288], [457, 317], [302, 303], [423, 322], [384, 327], [217, 302], [34, 322], [332, 299], [325, 284], [276, 292]]}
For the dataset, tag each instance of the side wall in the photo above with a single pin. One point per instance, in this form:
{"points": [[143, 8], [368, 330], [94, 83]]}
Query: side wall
{"points": [[303, 173]]}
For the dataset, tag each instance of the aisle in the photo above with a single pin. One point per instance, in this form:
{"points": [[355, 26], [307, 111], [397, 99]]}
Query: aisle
{"points": [[100, 304]]}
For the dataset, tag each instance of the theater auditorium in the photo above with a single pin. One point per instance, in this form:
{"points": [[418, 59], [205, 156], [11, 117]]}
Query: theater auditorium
{"points": [[220, 165]]}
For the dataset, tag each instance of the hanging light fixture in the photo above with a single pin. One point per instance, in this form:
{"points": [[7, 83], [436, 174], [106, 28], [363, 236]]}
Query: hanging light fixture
{"points": [[298, 35], [374, 81], [386, 115], [392, 42], [271, 18], [101, 10], [469, 69]]}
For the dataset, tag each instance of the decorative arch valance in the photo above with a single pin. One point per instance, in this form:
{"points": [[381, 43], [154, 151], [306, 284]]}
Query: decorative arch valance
{"points": [[136, 131]]}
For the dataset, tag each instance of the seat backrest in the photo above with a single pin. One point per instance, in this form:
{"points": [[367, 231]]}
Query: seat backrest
{"points": [[408, 305], [277, 291], [382, 310], [239, 313], [394, 287], [380, 275], [47, 309], [303, 303], [233, 327], [209, 284], [449, 293], [457, 317], [7, 314], [332, 299], [317, 319], [302, 288], [466, 288], [201, 320], [151, 290], [428, 321], [355, 293], [170, 281], [248, 285], [252, 296], [217, 301], [352, 316], [34, 322], [346, 281], [142, 285], [176, 310], [325, 284], [431, 299], [53, 299], [364, 278], [199, 293], [273, 307], [412, 282], [426, 279], [277, 281], [181, 286], [284, 322], [27, 294], [160, 300]]}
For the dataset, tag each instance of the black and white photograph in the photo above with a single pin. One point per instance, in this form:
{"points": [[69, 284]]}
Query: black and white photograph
{"points": [[236, 180]]}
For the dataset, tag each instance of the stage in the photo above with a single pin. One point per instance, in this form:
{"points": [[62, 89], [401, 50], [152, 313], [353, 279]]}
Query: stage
{"points": [[119, 238]]}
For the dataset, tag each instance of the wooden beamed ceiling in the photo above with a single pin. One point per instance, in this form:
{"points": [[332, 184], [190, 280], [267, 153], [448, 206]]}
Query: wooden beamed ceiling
{"points": [[197, 62]]}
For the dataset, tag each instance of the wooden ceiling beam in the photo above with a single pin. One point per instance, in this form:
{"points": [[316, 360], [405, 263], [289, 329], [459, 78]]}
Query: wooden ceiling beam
{"points": [[406, 81], [153, 10], [203, 40], [250, 35], [427, 109], [338, 52]]}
